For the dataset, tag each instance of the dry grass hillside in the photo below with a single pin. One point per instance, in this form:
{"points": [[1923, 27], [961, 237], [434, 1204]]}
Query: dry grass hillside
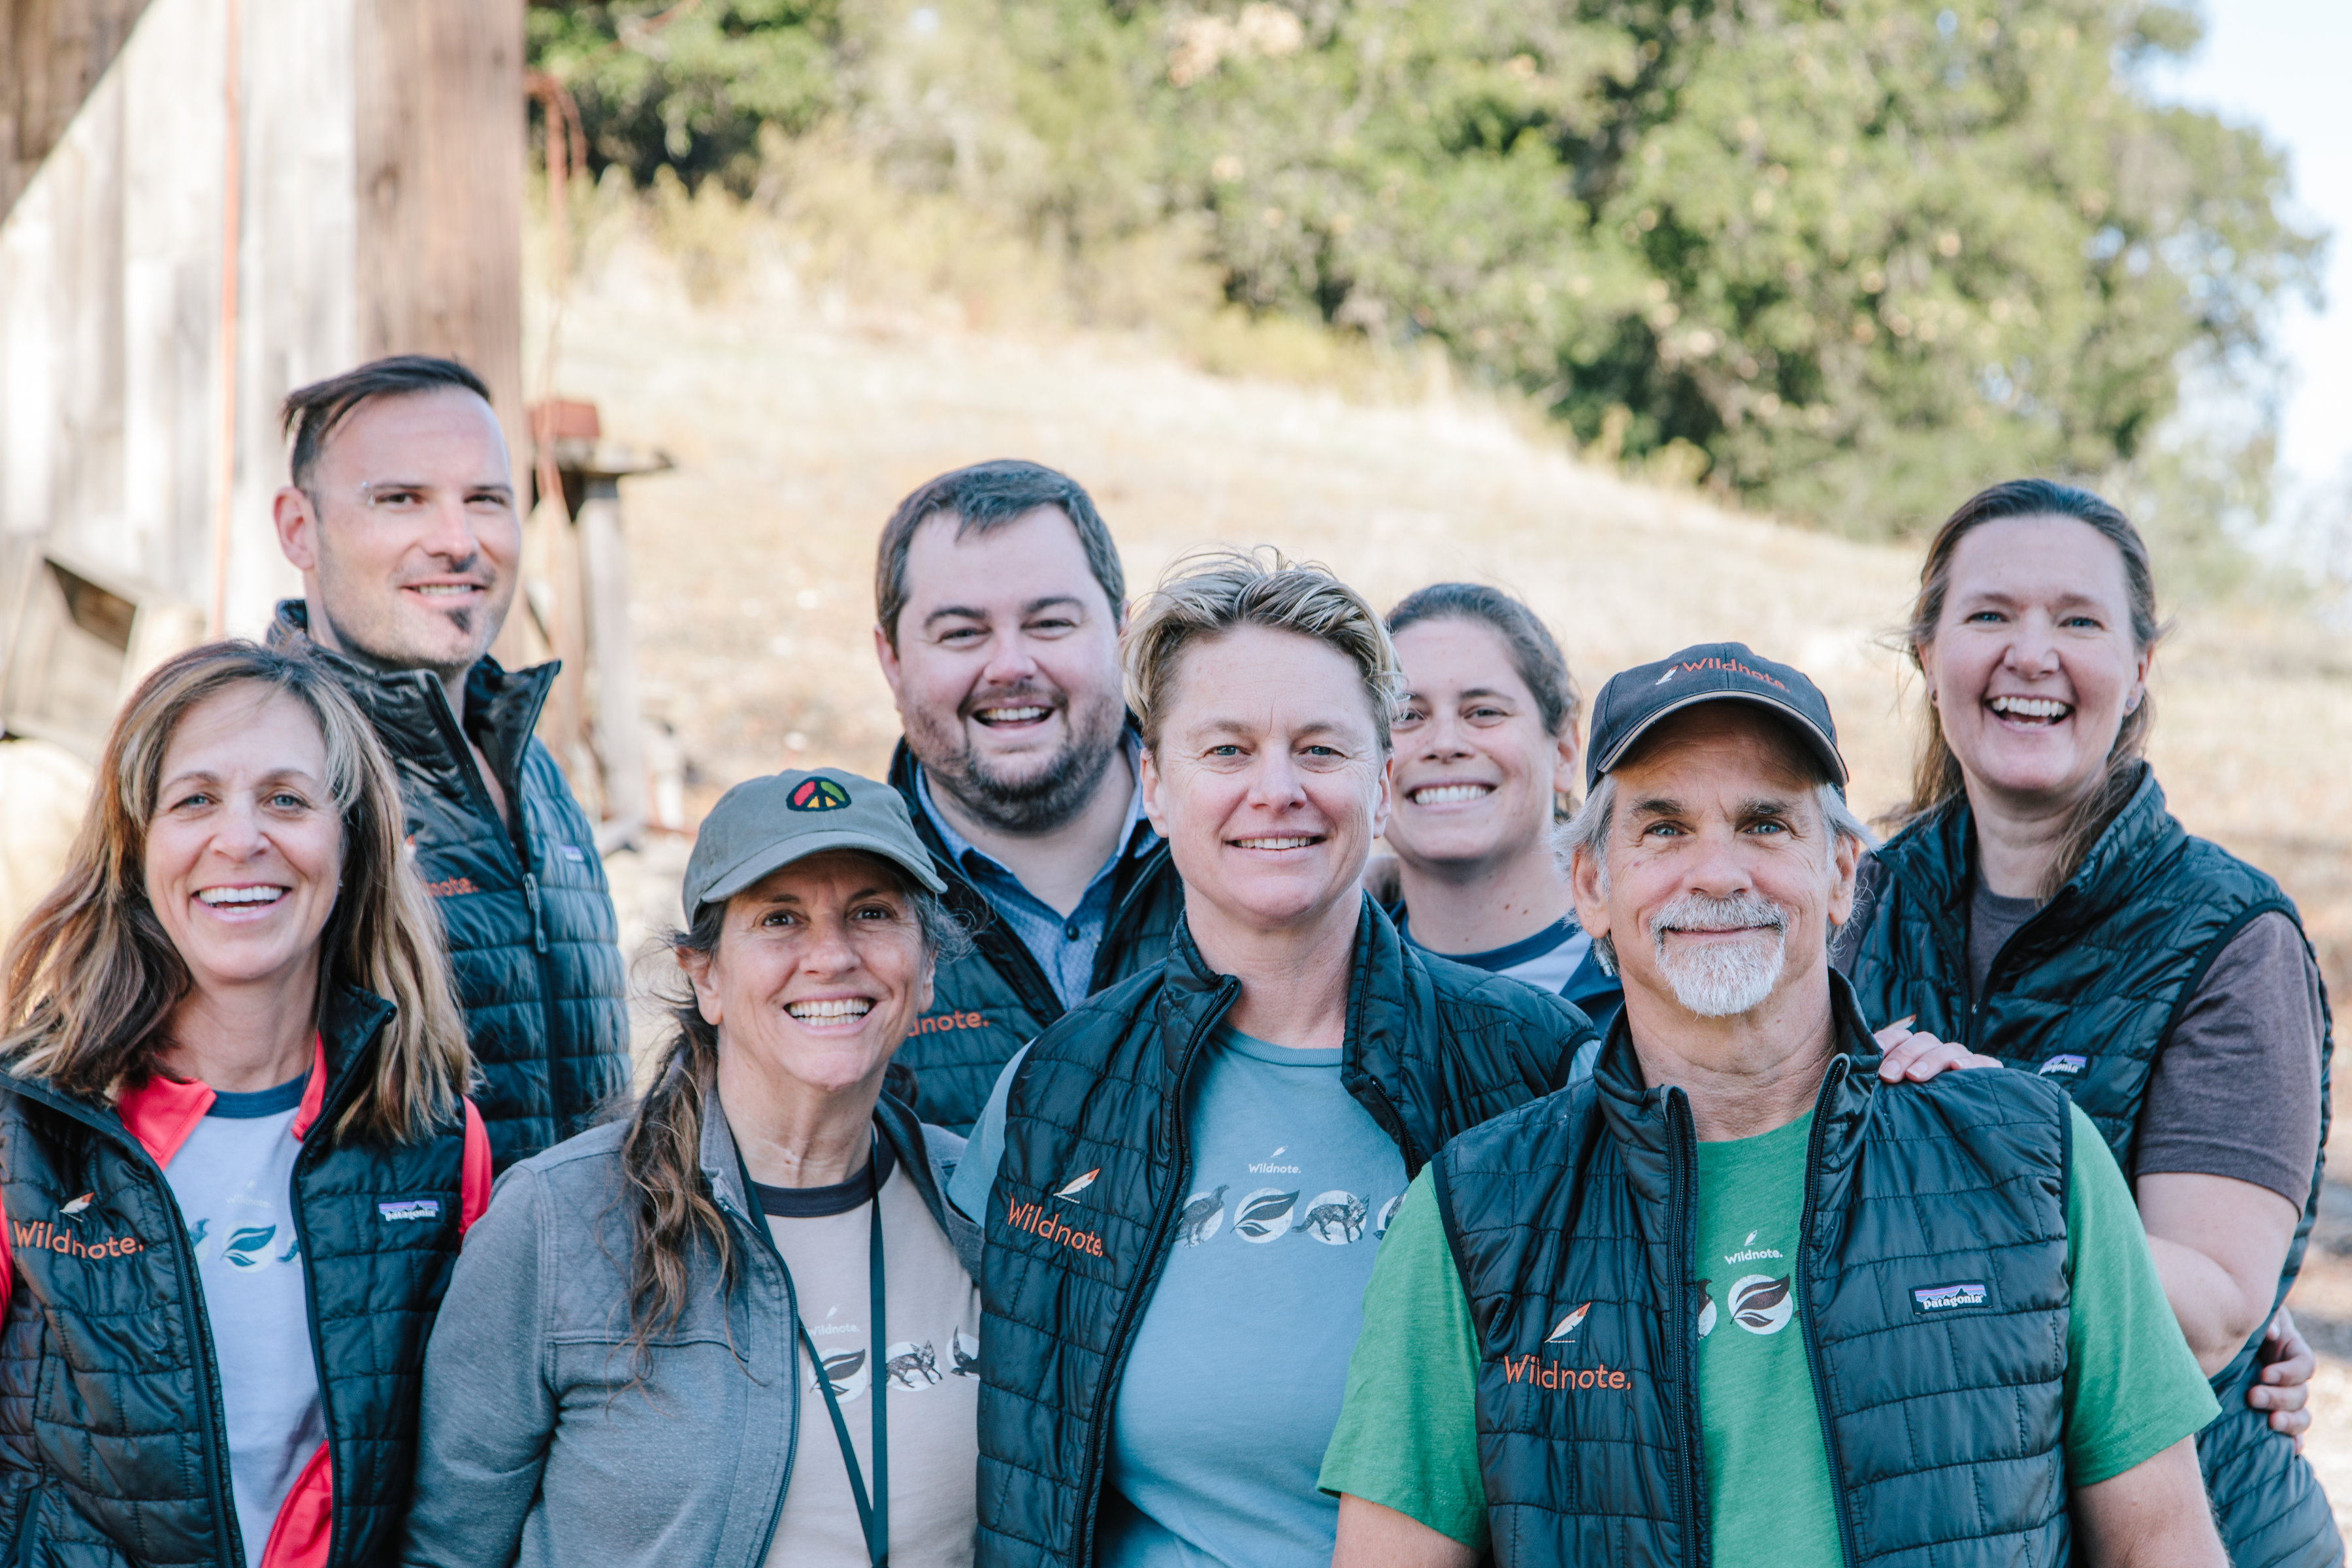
{"points": [[797, 422]]}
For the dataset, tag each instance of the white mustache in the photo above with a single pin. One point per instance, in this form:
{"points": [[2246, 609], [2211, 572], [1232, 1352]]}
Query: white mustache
{"points": [[1697, 912]]}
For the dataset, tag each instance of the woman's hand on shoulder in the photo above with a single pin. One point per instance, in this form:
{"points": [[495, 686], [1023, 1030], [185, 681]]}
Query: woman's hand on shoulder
{"points": [[1915, 1056], [2284, 1385]]}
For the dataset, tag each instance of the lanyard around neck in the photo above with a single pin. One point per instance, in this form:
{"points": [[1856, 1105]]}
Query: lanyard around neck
{"points": [[874, 1510]]}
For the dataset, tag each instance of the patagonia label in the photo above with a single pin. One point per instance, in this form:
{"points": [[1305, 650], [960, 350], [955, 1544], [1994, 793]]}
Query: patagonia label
{"points": [[410, 1209], [1930, 1300], [2065, 1064]]}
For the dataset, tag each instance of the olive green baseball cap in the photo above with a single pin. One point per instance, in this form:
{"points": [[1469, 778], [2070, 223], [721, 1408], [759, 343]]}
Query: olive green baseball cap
{"points": [[766, 823]]}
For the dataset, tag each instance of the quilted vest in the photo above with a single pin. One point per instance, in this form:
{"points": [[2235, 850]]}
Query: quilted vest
{"points": [[1943, 1426], [2086, 993], [995, 999], [532, 938], [1432, 1048], [114, 1449]]}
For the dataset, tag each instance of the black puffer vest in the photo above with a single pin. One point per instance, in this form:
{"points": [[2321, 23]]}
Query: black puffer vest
{"points": [[1432, 1048], [527, 913], [996, 999], [113, 1447], [1944, 1425], [2087, 993]]}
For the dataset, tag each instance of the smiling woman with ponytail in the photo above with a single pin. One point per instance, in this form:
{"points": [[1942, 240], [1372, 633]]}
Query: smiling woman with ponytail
{"points": [[235, 1157], [741, 1327], [2041, 906]]}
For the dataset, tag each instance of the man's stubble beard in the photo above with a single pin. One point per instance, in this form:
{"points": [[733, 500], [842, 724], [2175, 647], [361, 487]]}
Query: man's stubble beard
{"points": [[1722, 980], [1044, 801], [372, 646]]}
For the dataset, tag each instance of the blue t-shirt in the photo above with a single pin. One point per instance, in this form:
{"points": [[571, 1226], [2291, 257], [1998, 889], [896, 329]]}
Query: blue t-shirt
{"points": [[1240, 1365]]}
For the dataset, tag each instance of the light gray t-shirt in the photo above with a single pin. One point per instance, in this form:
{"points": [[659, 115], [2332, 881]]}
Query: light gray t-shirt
{"points": [[234, 1180], [930, 1369]]}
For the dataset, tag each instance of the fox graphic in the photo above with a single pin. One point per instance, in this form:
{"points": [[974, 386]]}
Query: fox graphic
{"points": [[915, 1367], [1340, 1221]]}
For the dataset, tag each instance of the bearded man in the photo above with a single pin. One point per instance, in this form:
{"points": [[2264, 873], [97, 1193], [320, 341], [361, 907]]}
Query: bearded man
{"points": [[1751, 1295], [998, 600]]}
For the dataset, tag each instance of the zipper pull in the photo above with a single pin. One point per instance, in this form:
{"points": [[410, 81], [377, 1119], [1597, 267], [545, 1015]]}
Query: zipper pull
{"points": [[538, 924]]}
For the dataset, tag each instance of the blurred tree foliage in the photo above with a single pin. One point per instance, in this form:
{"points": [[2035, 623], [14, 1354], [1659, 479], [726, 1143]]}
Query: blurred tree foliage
{"points": [[1845, 259]]}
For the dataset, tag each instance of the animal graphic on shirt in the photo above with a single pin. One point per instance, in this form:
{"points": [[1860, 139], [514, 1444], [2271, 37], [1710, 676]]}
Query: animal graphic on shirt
{"points": [[912, 1365], [1337, 1219], [1202, 1217], [967, 1362]]}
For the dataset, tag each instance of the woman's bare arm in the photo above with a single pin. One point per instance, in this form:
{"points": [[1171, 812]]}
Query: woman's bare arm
{"points": [[2219, 1244]]}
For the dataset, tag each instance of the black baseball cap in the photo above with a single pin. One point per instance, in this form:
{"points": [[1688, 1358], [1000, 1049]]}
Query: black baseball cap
{"points": [[1636, 699]]}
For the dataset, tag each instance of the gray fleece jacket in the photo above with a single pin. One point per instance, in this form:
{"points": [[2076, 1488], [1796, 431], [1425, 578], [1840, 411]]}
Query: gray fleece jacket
{"points": [[538, 1446]]}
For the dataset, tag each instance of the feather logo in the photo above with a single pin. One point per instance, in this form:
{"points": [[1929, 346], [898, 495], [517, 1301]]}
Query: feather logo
{"points": [[1081, 1185], [79, 1204], [1569, 1325]]}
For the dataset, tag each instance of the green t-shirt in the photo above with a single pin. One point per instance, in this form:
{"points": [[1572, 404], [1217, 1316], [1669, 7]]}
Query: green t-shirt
{"points": [[1408, 1435]]}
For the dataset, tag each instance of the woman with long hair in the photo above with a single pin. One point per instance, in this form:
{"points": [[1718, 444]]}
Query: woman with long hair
{"points": [[1486, 757], [236, 1157], [739, 1328], [2042, 907], [1184, 1182]]}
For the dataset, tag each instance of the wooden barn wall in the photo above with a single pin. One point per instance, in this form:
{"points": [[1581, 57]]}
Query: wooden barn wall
{"points": [[383, 157], [110, 296], [52, 52]]}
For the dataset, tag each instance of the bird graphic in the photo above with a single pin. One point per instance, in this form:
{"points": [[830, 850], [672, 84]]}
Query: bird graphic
{"points": [[1081, 1185], [1193, 1225], [79, 1204], [1569, 1325]]}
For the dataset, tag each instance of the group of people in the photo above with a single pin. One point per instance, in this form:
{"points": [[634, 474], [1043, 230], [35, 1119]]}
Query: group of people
{"points": [[1086, 1146]]}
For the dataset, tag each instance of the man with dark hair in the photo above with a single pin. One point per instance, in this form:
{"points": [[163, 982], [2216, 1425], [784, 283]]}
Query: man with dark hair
{"points": [[402, 519], [998, 600]]}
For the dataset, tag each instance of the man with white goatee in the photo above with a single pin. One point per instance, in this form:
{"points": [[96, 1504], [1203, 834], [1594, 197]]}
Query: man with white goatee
{"points": [[1754, 1293]]}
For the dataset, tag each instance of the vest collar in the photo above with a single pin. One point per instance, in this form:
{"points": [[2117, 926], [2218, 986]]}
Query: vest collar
{"points": [[1376, 983], [1935, 858], [158, 1114], [501, 706], [1639, 1116]]}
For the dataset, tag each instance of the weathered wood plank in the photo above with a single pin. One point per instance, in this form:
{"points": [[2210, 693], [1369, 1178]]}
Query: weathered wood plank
{"points": [[52, 53], [440, 167]]}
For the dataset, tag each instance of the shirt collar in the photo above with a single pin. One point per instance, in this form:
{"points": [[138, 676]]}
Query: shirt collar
{"points": [[964, 852]]}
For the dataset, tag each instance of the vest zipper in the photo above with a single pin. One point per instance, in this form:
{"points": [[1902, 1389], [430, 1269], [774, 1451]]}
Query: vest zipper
{"points": [[1682, 1324], [537, 915], [1830, 1083], [1093, 1468], [518, 842], [1115, 926]]}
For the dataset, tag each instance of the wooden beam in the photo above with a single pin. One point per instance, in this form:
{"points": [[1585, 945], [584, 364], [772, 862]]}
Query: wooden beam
{"points": [[52, 53], [440, 172]]}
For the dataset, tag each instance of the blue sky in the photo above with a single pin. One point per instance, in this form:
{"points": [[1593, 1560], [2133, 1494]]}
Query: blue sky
{"points": [[2283, 64]]}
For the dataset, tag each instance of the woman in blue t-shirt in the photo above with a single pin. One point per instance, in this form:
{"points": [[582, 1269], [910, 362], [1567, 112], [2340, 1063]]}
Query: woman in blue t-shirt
{"points": [[237, 1159], [1183, 1182]]}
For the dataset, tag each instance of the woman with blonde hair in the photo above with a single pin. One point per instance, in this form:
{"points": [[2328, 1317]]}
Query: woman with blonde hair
{"points": [[236, 1157], [1184, 1179]]}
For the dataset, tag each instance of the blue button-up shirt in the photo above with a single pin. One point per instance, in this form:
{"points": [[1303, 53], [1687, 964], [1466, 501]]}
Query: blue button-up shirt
{"points": [[1064, 945]]}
